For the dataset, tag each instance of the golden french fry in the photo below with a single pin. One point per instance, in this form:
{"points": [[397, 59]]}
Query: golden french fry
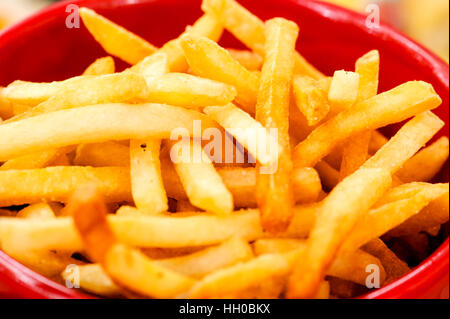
{"points": [[102, 154], [389, 107], [328, 174], [311, 99], [115, 39], [378, 141], [207, 59], [151, 67], [274, 191], [206, 261], [188, 91], [384, 218], [250, 60], [343, 90], [93, 279], [203, 185], [39, 210], [423, 166], [340, 211], [19, 187], [6, 107], [259, 141], [93, 124], [235, 280], [406, 142], [207, 26], [356, 150], [249, 29], [146, 182], [35, 160], [101, 66], [91, 91], [349, 267], [394, 266]]}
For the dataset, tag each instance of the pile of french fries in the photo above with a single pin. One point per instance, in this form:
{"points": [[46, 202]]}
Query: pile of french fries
{"points": [[97, 193]]}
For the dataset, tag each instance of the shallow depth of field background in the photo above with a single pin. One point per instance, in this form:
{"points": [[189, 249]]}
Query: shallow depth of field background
{"points": [[427, 21]]}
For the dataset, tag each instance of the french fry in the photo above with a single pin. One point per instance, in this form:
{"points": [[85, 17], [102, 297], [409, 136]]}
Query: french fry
{"points": [[249, 29], [6, 108], [203, 185], [91, 91], [338, 214], [274, 192], [435, 214], [409, 190], [19, 187], [344, 289], [343, 90], [328, 174], [207, 26], [233, 281], [151, 67], [101, 66], [39, 210], [356, 150], [146, 182], [93, 279], [384, 218], [35, 160], [247, 131], [423, 166], [188, 91], [406, 142], [206, 261], [250, 60], [207, 59], [407, 100], [127, 266], [102, 154], [306, 185], [311, 99], [394, 266], [350, 267], [97, 123], [114, 39]]}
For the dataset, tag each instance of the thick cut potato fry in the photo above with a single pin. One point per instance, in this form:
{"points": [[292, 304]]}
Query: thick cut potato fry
{"points": [[349, 267], [206, 261], [250, 60], [102, 154], [39, 210], [93, 279], [384, 218], [249, 29], [394, 266], [146, 182], [343, 90], [93, 124], [35, 160], [311, 99], [203, 185], [116, 40], [259, 141], [423, 166], [19, 187], [101, 66], [235, 280], [340, 211], [356, 150], [207, 26], [389, 107], [6, 107], [188, 91], [207, 59], [274, 192], [91, 91], [406, 142]]}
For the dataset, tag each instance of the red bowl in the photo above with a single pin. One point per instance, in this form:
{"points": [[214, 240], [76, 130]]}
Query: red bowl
{"points": [[41, 48]]}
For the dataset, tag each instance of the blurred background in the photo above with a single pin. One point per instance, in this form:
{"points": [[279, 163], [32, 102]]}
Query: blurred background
{"points": [[427, 21]]}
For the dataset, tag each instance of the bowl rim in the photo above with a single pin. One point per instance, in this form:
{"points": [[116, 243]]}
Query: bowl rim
{"points": [[429, 272]]}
